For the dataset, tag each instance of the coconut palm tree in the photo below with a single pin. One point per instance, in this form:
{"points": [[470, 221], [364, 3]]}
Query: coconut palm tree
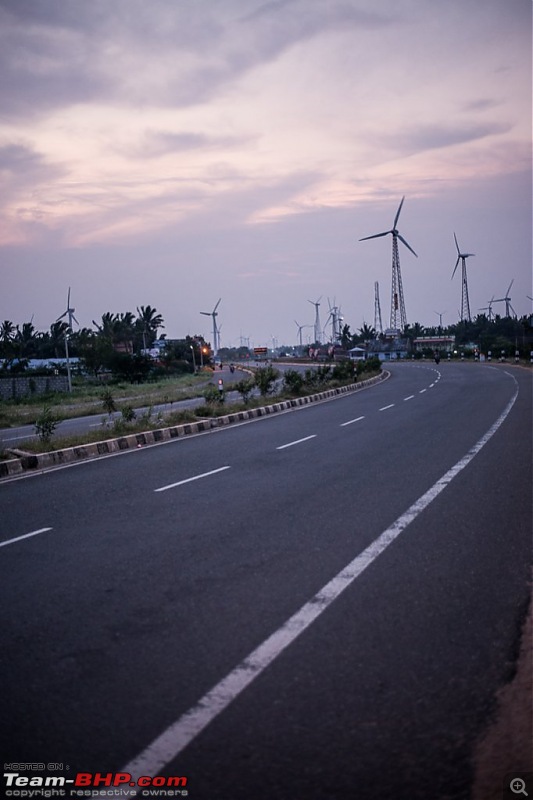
{"points": [[147, 322]]}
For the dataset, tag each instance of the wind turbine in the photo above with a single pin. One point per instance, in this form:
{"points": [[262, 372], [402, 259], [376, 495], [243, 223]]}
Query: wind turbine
{"points": [[318, 329], [336, 319], [465, 304], [216, 330], [69, 312], [397, 300], [440, 315], [300, 329], [488, 308], [507, 301]]}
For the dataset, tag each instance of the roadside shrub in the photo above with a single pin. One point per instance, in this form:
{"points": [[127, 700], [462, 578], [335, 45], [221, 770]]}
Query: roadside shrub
{"points": [[293, 381], [108, 402], [265, 377], [344, 371], [45, 424], [213, 395], [245, 388], [128, 414]]}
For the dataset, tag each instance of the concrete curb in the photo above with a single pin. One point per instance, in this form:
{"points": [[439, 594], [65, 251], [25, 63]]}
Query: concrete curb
{"points": [[27, 462]]}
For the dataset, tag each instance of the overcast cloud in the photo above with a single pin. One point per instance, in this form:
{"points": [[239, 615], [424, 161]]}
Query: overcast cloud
{"points": [[171, 153]]}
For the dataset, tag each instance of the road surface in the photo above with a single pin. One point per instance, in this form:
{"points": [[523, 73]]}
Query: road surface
{"points": [[321, 604]]}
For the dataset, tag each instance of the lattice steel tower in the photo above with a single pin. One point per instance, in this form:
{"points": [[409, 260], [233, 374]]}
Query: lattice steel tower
{"points": [[465, 303], [398, 317], [378, 325]]}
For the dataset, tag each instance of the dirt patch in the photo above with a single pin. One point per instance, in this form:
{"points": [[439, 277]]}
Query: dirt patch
{"points": [[507, 746]]}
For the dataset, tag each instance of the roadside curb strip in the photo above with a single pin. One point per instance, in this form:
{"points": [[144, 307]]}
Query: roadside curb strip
{"points": [[29, 462]]}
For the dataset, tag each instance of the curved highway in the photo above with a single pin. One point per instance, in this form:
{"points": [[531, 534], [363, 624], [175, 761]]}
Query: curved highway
{"points": [[318, 604]]}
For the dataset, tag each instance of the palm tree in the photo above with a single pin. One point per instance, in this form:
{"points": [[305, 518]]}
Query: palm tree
{"points": [[58, 331], [147, 323], [366, 333]]}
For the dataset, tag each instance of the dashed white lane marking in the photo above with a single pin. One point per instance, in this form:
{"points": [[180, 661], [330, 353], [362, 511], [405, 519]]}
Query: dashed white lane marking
{"points": [[351, 421], [25, 536], [422, 391], [298, 441], [386, 407], [409, 398], [188, 480], [175, 738]]}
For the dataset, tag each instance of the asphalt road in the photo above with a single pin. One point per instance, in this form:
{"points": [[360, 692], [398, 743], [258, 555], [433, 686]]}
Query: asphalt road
{"points": [[320, 604]]}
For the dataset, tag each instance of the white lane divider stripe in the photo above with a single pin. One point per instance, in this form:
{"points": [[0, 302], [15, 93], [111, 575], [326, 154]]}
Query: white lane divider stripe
{"points": [[386, 407], [188, 480], [422, 391], [298, 441], [175, 738], [351, 421], [409, 398], [25, 536]]}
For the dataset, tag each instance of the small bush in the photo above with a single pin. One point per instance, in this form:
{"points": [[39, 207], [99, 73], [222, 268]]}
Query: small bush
{"points": [[108, 402], [45, 424], [245, 388], [293, 381], [265, 377]]}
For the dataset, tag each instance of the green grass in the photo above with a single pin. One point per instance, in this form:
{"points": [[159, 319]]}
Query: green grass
{"points": [[86, 399]]}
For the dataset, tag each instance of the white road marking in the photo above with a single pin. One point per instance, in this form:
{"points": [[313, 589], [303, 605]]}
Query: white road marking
{"points": [[422, 391], [17, 438], [298, 441], [188, 480], [431, 385], [351, 421], [175, 738], [25, 536], [386, 407], [409, 398]]}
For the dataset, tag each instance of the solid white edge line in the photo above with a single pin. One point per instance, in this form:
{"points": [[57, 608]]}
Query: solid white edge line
{"points": [[188, 480], [25, 536], [350, 421], [298, 441], [177, 736]]}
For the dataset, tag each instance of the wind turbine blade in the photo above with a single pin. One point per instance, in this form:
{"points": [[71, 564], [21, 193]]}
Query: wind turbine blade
{"points": [[407, 245], [217, 305], [75, 320], [206, 313], [398, 212], [509, 289], [456, 265], [456, 244], [68, 298], [62, 315], [375, 236]]}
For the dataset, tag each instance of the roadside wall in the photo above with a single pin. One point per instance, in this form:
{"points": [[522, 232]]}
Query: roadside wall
{"points": [[21, 386]]}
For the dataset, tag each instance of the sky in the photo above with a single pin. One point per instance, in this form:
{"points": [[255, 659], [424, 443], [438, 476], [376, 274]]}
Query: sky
{"points": [[174, 152]]}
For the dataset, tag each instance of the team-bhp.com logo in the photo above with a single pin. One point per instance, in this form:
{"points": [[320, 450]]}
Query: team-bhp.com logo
{"points": [[18, 785]]}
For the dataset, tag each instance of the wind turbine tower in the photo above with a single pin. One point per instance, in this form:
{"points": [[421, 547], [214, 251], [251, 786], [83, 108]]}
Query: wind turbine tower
{"points": [[300, 329], [465, 304], [378, 324], [398, 317], [216, 329], [69, 312], [318, 329]]}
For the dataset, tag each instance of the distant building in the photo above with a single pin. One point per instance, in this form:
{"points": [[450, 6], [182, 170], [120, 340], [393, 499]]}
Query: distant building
{"points": [[388, 349], [446, 343]]}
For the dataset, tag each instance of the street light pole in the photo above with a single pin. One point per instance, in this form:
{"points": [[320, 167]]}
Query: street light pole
{"points": [[193, 359], [68, 364]]}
